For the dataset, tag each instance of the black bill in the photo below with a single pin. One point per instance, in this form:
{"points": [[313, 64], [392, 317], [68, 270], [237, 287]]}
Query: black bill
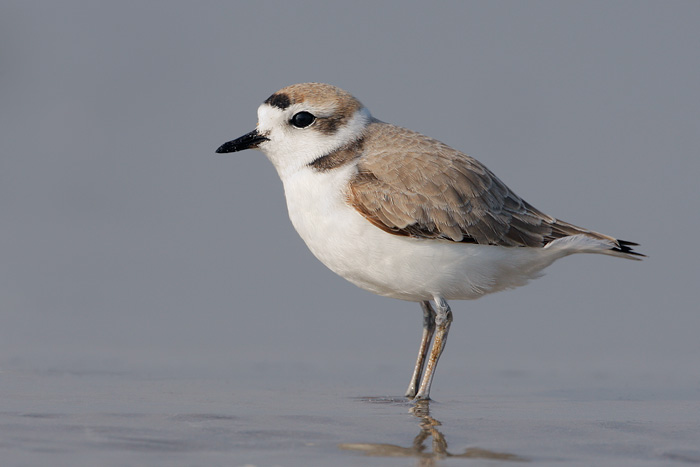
{"points": [[247, 141]]}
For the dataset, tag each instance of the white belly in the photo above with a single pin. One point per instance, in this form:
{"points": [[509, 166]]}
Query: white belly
{"points": [[396, 266]]}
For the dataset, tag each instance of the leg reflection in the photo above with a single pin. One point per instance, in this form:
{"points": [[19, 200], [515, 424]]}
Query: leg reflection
{"points": [[428, 429]]}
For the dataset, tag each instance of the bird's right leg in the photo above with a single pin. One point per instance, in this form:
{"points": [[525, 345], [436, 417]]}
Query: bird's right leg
{"points": [[428, 331], [443, 319]]}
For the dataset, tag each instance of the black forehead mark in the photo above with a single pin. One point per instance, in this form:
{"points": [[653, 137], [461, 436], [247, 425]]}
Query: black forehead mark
{"points": [[279, 100]]}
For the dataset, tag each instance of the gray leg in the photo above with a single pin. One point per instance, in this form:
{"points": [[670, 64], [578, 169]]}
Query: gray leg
{"points": [[428, 331], [443, 319]]}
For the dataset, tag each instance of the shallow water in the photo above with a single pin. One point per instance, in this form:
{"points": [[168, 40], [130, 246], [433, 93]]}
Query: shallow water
{"points": [[101, 417]]}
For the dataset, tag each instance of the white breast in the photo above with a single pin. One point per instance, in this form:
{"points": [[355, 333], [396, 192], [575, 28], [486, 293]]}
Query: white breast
{"points": [[396, 266]]}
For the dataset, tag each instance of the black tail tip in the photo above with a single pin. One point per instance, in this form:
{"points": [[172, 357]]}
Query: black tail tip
{"points": [[626, 247]]}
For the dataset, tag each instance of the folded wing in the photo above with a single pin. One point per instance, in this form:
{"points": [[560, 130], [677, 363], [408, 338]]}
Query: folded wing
{"points": [[424, 189]]}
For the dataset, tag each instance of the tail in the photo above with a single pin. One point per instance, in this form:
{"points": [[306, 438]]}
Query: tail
{"points": [[574, 239], [594, 242]]}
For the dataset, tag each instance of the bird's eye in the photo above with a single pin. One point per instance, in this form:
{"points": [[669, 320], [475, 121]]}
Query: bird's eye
{"points": [[302, 119]]}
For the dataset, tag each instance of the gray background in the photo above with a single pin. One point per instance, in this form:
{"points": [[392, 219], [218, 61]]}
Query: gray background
{"points": [[128, 247]]}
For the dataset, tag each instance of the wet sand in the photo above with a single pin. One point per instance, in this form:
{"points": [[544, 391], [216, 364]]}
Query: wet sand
{"points": [[89, 416]]}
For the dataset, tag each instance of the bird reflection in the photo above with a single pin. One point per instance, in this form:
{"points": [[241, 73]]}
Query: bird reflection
{"points": [[428, 430]]}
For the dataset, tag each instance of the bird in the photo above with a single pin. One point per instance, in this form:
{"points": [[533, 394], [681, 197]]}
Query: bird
{"points": [[404, 215]]}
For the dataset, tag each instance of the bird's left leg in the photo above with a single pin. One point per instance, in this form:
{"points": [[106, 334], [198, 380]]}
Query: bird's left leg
{"points": [[428, 331], [443, 319]]}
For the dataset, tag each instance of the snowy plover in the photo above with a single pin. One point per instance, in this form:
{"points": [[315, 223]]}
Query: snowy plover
{"points": [[403, 215]]}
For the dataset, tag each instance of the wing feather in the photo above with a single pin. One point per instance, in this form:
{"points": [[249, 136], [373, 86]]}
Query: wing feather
{"points": [[423, 188]]}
